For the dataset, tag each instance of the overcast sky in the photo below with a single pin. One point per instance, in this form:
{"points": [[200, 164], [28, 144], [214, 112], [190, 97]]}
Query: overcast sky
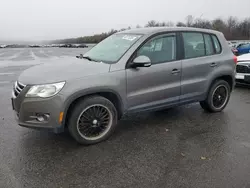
{"points": [[55, 19]]}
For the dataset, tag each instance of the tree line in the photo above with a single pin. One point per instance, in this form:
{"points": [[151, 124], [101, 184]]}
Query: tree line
{"points": [[232, 27]]}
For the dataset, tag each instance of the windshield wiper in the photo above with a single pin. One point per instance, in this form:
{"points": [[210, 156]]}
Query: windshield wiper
{"points": [[86, 57]]}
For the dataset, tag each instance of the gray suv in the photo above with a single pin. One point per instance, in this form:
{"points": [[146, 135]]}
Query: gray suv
{"points": [[131, 71]]}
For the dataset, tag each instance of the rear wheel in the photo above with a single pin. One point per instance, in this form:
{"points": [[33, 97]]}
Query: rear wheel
{"points": [[93, 120], [218, 97]]}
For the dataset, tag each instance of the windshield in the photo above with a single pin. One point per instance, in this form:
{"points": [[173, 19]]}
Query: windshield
{"points": [[111, 49]]}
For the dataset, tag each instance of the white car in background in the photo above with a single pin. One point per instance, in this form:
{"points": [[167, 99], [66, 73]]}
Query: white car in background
{"points": [[243, 69]]}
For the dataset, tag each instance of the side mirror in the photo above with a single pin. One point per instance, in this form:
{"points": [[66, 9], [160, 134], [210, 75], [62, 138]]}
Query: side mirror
{"points": [[141, 61]]}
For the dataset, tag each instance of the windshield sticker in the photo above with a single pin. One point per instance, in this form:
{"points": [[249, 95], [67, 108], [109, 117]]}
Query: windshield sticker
{"points": [[131, 38]]}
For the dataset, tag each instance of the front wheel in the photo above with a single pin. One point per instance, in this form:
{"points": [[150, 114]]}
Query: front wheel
{"points": [[93, 120], [218, 97]]}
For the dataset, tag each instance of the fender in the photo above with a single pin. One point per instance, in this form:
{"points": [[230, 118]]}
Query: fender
{"points": [[220, 73], [86, 92]]}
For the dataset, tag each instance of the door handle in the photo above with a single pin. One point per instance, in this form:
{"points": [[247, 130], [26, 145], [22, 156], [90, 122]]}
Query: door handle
{"points": [[175, 71], [213, 64]]}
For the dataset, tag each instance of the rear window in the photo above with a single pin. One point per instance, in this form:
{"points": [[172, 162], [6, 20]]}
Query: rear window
{"points": [[217, 45]]}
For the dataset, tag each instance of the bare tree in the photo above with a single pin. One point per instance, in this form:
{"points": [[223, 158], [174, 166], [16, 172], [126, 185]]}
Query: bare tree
{"points": [[219, 24], [180, 24], [189, 20], [152, 23], [233, 28], [231, 24], [170, 24], [201, 23]]}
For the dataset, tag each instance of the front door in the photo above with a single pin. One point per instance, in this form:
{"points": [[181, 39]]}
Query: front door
{"points": [[159, 84]]}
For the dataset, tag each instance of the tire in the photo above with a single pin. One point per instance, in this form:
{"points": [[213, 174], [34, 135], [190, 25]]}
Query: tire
{"points": [[89, 107], [208, 104]]}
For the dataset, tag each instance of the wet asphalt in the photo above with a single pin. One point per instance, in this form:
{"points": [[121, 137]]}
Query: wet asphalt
{"points": [[178, 147]]}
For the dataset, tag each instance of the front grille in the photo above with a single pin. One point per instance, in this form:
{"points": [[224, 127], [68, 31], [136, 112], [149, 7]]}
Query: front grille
{"points": [[243, 69], [18, 87]]}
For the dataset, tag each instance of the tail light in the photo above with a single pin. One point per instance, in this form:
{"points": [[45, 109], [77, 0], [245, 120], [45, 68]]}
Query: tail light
{"points": [[235, 59]]}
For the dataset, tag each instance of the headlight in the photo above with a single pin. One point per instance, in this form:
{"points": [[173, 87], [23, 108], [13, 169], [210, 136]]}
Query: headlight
{"points": [[44, 91]]}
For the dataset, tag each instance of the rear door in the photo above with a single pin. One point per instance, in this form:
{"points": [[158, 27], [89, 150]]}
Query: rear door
{"points": [[159, 84], [198, 64]]}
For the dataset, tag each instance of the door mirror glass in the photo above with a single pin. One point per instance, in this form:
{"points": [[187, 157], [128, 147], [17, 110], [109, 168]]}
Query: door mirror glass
{"points": [[141, 61]]}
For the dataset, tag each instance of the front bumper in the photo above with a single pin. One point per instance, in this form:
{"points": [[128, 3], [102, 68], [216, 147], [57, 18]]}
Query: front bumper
{"points": [[27, 111], [242, 78]]}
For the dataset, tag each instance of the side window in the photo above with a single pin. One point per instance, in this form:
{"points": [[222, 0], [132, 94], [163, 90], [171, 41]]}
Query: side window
{"points": [[193, 44], [208, 44], [160, 49], [245, 46], [216, 44], [240, 45]]}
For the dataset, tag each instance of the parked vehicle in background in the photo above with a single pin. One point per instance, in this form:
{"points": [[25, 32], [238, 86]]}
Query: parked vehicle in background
{"points": [[3, 45], [81, 46], [35, 46], [130, 71], [231, 44], [243, 69], [234, 50], [243, 48], [73, 46], [66, 46]]}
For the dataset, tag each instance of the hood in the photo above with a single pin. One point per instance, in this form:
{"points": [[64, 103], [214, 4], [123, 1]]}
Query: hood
{"points": [[61, 70], [245, 58]]}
